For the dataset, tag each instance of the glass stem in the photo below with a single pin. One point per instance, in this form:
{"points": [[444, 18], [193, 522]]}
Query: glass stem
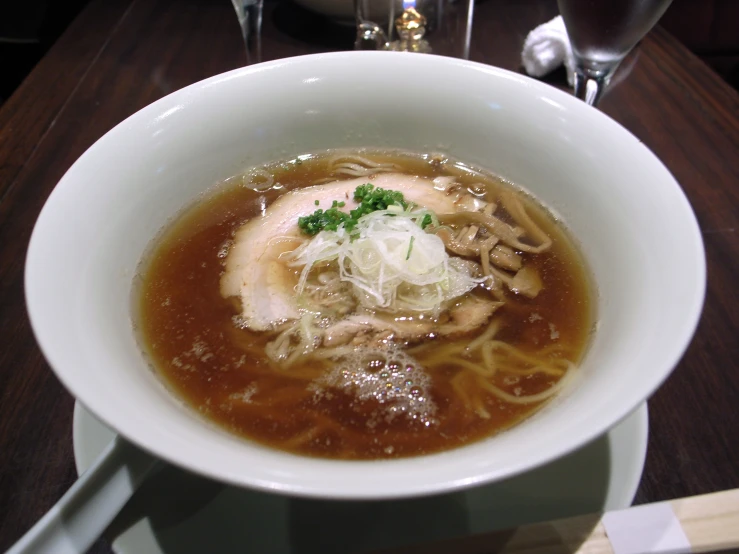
{"points": [[249, 14], [589, 85]]}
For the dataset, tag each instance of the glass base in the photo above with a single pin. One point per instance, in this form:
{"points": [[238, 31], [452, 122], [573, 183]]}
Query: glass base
{"points": [[590, 83]]}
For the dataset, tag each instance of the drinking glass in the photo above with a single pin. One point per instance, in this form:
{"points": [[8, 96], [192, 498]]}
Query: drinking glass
{"points": [[602, 32], [430, 26]]}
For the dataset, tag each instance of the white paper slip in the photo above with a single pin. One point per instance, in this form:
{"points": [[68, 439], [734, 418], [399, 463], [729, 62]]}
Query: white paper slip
{"points": [[652, 529]]}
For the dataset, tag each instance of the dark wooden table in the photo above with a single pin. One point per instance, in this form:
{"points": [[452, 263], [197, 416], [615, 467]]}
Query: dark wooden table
{"points": [[120, 55]]}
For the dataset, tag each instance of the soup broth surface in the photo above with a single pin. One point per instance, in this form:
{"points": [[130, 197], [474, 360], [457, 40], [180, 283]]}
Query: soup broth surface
{"points": [[443, 396]]}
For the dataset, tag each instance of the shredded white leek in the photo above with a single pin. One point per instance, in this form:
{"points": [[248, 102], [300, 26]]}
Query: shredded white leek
{"points": [[390, 261]]}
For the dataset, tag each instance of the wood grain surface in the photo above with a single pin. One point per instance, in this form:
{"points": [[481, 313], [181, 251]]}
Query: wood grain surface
{"points": [[120, 55]]}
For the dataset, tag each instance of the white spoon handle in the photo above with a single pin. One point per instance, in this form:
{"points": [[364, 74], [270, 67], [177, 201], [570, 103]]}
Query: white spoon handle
{"points": [[83, 513]]}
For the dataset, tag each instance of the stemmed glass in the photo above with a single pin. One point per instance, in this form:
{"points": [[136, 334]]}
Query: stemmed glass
{"points": [[602, 32], [430, 26]]}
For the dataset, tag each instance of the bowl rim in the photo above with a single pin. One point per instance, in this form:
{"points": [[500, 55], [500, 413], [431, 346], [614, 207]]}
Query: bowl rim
{"points": [[693, 304]]}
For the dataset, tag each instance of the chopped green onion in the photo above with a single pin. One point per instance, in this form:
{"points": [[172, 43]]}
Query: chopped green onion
{"points": [[410, 247], [369, 198]]}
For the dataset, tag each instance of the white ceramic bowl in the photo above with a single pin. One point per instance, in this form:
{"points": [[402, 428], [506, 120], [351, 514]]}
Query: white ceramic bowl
{"points": [[634, 224]]}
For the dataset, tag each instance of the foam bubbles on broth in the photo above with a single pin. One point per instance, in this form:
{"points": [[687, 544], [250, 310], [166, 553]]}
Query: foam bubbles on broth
{"points": [[388, 376]]}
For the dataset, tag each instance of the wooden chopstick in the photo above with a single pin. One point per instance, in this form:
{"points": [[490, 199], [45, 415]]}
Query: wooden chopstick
{"points": [[709, 523]]}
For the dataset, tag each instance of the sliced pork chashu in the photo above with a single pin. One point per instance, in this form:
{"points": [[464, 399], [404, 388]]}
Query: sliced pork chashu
{"points": [[465, 316], [253, 269]]}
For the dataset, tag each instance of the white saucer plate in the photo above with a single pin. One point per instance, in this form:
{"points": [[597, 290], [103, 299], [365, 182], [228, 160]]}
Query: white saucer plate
{"points": [[178, 512]]}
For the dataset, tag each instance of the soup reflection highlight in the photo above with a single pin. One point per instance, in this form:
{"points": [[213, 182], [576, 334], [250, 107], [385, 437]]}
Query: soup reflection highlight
{"points": [[363, 305]]}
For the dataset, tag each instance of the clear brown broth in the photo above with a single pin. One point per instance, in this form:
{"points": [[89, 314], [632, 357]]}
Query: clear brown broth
{"points": [[187, 329]]}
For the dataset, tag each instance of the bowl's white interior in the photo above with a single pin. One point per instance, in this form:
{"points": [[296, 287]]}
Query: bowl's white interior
{"points": [[636, 229]]}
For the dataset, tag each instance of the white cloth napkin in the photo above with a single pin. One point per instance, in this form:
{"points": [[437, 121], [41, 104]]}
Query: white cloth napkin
{"points": [[546, 48]]}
